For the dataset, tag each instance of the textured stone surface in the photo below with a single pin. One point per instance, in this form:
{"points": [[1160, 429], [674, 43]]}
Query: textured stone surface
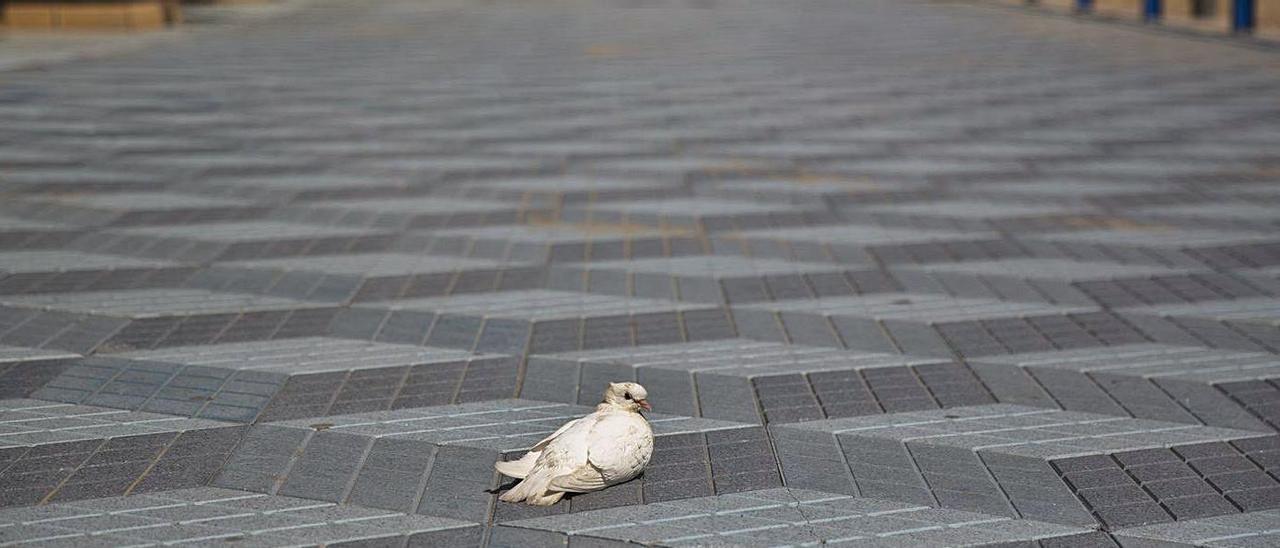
{"points": [[925, 258], [1172, 383], [56, 452], [282, 379], [439, 460], [211, 515], [1058, 466], [778, 516], [752, 381]]}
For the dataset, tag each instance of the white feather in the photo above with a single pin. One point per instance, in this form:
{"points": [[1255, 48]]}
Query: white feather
{"points": [[607, 447]]}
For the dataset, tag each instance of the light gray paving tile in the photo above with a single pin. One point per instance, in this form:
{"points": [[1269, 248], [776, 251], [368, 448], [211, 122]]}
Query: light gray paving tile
{"points": [[152, 303], [20, 262]]}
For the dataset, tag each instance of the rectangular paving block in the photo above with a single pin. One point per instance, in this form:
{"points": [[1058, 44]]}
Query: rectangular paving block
{"points": [[1229, 531], [675, 167], [929, 325], [284, 379], [753, 381], [53, 451], [155, 303], [962, 214], [377, 276], [52, 271], [807, 190], [206, 515], [553, 242], [700, 278], [37, 262], [288, 187], [1151, 381], [862, 243], [1073, 190], [536, 320], [1059, 466], [565, 188], [454, 166], [203, 242], [79, 333], [787, 517], [707, 213], [439, 460], [1050, 280], [140, 208], [411, 212], [24, 369], [1250, 323], [1161, 244]]}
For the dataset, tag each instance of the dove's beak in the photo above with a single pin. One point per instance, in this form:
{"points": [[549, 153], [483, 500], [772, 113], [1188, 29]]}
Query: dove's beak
{"points": [[645, 404]]}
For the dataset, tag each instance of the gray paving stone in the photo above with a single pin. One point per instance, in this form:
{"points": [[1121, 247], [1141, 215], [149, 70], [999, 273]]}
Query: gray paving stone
{"points": [[58, 452], [204, 514], [154, 303], [917, 323], [357, 214], [1056, 466], [769, 516], [448, 451], [1250, 529], [1173, 383], [751, 381], [711, 278], [283, 379]]}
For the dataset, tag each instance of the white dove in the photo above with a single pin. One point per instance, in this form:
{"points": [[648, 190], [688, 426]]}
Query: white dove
{"points": [[609, 446]]}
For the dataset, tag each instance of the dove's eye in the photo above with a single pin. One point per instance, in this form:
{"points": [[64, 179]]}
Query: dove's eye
{"points": [[628, 395]]}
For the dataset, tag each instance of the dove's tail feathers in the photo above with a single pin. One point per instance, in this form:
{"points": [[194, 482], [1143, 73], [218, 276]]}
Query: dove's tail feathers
{"points": [[547, 500], [532, 489], [518, 468]]}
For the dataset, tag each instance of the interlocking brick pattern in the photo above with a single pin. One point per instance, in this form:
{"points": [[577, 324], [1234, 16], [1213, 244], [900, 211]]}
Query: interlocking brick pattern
{"points": [[1173, 383], [55, 452], [752, 381], [24, 370], [1251, 529], [1057, 466], [211, 515], [717, 279], [786, 516], [894, 273], [283, 379], [536, 320], [439, 460]]}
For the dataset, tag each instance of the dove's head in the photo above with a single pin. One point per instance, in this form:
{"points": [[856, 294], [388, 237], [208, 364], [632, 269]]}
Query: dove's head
{"points": [[627, 395]]}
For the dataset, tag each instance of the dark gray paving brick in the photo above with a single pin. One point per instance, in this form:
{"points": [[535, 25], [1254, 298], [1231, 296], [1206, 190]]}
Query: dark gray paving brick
{"points": [[778, 517], [752, 381], [58, 452], [205, 515], [1153, 381], [283, 379], [439, 460], [1057, 466]]}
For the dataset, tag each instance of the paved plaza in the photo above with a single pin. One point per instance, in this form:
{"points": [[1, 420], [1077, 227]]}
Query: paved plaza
{"points": [[894, 272]]}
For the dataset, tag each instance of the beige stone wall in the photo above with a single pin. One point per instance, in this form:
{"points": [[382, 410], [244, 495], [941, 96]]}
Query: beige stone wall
{"points": [[1268, 19], [1128, 9], [1058, 5], [1179, 13], [117, 15]]}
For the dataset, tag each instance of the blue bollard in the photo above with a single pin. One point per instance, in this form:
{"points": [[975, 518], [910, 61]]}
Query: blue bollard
{"points": [[1151, 10], [1242, 16]]}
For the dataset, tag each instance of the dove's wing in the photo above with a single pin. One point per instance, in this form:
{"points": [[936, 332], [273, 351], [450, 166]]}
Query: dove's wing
{"points": [[522, 467], [540, 445], [559, 454], [619, 446]]}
